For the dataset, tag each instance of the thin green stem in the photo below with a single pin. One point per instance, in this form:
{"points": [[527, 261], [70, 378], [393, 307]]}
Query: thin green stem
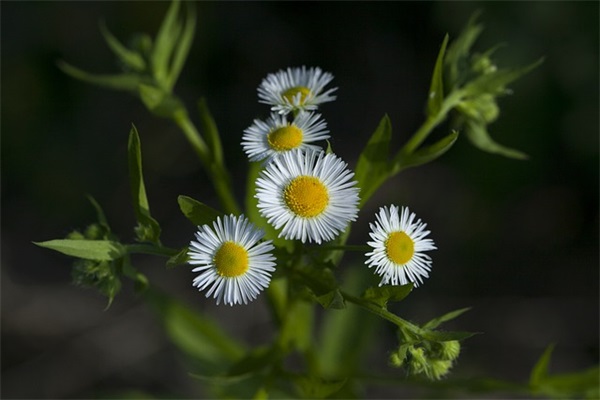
{"points": [[151, 249]]}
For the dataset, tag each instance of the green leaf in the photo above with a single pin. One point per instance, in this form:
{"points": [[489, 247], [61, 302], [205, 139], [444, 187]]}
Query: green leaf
{"points": [[194, 334], [322, 283], [434, 323], [540, 370], [436, 89], [254, 361], [183, 45], [160, 102], [127, 81], [372, 168], [164, 44], [180, 258], [444, 336], [381, 295], [148, 229], [100, 216], [99, 250], [211, 133], [296, 328], [197, 212], [478, 135], [495, 82], [457, 56], [425, 154], [334, 300], [312, 387], [128, 57]]}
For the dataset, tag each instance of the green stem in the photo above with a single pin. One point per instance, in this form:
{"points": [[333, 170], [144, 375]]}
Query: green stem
{"points": [[383, 313], [348, 247], [151, 249], [217, 173]]}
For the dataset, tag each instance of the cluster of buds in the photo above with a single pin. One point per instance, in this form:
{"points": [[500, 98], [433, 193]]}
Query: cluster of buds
{"points": [[432, 359]]}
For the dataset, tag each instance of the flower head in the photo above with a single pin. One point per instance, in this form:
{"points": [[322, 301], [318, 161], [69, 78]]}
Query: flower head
{"points": [[233, 265], [309, 195], [398, 245], [266, 140], [295, 89]]}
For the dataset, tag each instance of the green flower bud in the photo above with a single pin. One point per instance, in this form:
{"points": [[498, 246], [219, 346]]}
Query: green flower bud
{"points": [[75, 235], [398, 357], [94, 232], [482, 64], [438, 368], [418, 362], [483, 107], [450, 350]]}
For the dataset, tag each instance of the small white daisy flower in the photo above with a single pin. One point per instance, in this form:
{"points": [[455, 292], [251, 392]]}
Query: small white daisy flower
{"points": [[311, 196], [266, 140], [233, 265], [295, 89], [398, 245]]}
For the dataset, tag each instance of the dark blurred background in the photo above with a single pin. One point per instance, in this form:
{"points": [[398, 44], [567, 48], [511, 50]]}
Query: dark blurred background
{"points": [[518, 240]]}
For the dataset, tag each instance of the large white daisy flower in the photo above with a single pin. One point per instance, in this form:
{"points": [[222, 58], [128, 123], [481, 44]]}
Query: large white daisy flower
{"points": [[398, 245], [309, 195], [266, 140], [233, 265], [296, 89]]}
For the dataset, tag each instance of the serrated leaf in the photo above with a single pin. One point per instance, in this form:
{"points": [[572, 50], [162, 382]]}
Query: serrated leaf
{"points": [[434, 323], [312, 387], [164, 44], [183, 45], [211, 132], [160, 102], [436, 89], [149, 229], [126, 56], [198, 213], [540, 370], [99, 250], [381, 295], [178, 259], [478, 135], [126, 81], [372, 168], [446, 336], [495, 82], [425, 154]]}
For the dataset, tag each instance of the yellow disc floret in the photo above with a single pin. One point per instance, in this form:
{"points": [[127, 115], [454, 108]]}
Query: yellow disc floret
{"points": [[285, 138], [231, 260], [306, 196], [399, 247], [291, 93]]}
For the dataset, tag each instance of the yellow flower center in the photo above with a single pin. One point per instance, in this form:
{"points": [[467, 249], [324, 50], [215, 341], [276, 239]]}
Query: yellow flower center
{"points": [[291, 93], [399, 247], [231, 260], [285, 138], [306, 196]]}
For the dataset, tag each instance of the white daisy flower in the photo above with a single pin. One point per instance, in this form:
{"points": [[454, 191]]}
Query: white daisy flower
{"points": [[295, 89], [398, 245], [266, 140], [309, 195], [233, 265]]}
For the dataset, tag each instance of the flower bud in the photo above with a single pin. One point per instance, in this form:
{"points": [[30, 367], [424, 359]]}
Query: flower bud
{"points": [[438, 368], [482, 64], [450, 350], [418, 361], [483, 107]]}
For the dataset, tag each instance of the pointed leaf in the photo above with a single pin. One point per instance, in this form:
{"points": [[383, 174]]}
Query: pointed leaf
{"points": [[149, 229], [183, 45], [127, 81], [478, 135], [372, 167], [425, 154], [434, 323], [178, 259], [159, 102], [211, 133], [197, 212], [540, 370], [458, 51], [317, 388], [100, 216], [381, 295], [128, 57], [333, 300], [436, 89], [164, 44], [444, 336], [495, 82], [99, 250]]}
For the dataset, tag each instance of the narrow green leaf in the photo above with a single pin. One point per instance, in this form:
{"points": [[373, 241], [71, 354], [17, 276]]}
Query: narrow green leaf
{"points": [[99, 250], [495, 82], [127, 81], [180, 258], [425, 154], [211, 133], [128, 57], [183, 45], [333, 300], [381, 295], [148, 229], [197, 212], [194, 334], [443, 336], [317, 388], [160, 102], [576, 385], [540, 370], [436, 89], [434, 323], [254, 361], [164, 44], [372, 168], [100, 216], [478, 135], [458, 52]]}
